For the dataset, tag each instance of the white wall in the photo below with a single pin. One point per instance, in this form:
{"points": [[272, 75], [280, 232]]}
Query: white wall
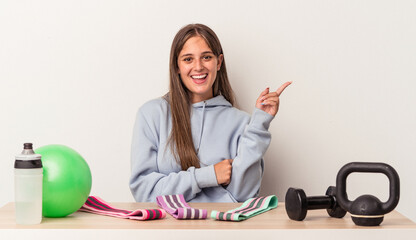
{"points": [[75, 72]]}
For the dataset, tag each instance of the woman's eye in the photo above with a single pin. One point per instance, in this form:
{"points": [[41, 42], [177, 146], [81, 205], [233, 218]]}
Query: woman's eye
{"points": [[207, 57], [188, 59]]}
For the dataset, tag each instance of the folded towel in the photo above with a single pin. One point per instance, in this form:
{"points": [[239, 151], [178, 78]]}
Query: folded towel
{"points": [[99, 206]]}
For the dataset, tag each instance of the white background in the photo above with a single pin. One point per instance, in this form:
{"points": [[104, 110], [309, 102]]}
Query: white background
{"points": [[75, 73]]}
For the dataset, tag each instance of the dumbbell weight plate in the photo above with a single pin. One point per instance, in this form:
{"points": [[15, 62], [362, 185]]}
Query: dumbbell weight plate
{"points": [[296, 204], [336, 210]]}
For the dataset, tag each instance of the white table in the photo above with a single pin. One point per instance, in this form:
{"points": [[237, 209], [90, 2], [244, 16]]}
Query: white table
{"points": [[273, 224]]}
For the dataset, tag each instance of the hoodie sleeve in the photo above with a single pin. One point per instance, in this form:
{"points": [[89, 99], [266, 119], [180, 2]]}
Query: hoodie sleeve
{"points": [[247, 170], [146, 181]]}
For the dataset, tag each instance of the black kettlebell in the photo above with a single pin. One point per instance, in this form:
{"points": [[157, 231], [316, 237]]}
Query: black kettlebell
{"points": [[368, 210]]}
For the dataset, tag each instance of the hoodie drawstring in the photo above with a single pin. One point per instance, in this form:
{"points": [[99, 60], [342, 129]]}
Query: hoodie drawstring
{"points": [[202, 127]]}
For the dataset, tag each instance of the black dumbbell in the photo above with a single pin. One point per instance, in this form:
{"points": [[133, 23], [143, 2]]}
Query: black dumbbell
{"points": [[297, 204]]}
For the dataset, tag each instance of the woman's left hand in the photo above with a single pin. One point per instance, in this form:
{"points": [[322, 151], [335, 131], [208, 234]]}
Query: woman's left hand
{"points": [[269, 101]]}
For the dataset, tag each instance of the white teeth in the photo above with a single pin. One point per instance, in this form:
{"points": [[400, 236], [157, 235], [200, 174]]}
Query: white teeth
{"points": [[199, 77]]}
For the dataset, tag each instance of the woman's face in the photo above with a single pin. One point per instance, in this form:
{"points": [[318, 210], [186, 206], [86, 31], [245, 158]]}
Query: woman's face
{"points": [[198, 68]]}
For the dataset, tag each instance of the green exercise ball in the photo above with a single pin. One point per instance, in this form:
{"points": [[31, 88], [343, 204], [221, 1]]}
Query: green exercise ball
{"points": [[66, 180]]}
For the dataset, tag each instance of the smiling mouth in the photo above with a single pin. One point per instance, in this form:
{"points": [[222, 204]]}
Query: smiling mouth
{"points": [[199, 77]]}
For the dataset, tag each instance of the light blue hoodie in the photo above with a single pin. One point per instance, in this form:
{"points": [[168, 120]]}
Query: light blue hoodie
{"points": [[219, 132]]}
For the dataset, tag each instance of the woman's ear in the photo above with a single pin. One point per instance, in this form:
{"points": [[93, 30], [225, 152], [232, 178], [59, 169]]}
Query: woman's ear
{"points": [[220, 59]]}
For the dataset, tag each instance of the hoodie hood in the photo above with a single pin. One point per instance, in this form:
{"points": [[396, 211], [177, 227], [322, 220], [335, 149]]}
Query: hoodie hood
{"points": [[217, 101]]}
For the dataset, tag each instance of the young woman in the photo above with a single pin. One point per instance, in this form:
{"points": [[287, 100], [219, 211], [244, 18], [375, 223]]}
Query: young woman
{"points": [[193, 141]]}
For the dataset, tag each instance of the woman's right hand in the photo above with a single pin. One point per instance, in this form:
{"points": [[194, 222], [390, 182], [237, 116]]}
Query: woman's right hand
{"points": [[223, 171]]}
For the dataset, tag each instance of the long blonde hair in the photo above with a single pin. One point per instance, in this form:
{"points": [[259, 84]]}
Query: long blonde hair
{"points": [[179, 97]]}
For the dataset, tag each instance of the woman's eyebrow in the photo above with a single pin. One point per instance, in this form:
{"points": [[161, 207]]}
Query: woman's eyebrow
{"points": [[190, 54], [186, 55], [208, 52]]}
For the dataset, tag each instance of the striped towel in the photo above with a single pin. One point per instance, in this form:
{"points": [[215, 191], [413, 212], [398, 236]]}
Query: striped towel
{"points": [[250, 208], [176, 206], [99, 206]]}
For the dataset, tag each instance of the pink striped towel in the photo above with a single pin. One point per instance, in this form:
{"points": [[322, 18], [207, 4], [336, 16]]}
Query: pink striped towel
{"points": [[176, 206], [98, 206]]}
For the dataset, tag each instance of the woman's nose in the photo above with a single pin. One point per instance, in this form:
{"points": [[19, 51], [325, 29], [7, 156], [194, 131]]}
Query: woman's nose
{"points": [[198, 65]]}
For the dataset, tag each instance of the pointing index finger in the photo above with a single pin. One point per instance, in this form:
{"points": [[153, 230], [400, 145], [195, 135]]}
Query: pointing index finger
{"points": [[282, 88]]}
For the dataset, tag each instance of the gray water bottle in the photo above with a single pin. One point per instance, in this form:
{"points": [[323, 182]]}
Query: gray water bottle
{"points": [[28, 177]]}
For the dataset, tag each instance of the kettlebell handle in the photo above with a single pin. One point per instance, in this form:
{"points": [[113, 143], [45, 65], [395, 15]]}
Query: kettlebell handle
{"points": [[368, 167]]}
